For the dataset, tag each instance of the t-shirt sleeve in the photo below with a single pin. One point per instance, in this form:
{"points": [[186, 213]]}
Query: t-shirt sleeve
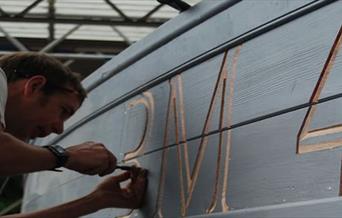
{"points": [[3, 96]]}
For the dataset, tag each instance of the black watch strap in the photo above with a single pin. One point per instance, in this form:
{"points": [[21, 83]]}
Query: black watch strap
{"points": [[60, 154]]}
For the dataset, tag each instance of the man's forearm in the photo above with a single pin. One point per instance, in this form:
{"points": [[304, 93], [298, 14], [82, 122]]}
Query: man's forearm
{"points": [[17, 157], [73, 209]]}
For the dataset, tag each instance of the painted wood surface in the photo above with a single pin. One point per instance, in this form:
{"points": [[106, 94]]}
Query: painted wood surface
{"points": [[252, 130], [162, 63]]}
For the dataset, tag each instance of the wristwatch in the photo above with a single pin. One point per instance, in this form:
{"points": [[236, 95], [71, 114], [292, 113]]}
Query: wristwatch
{"points": [[60, 153]]}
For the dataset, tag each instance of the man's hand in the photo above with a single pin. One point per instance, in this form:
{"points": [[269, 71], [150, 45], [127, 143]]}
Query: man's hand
{"points": [[90, 158], [106, 195], [110, 194]]}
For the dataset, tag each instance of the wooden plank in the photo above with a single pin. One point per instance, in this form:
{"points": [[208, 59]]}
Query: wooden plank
{"points": [[330, 207], [253, 165], [192, 44], [281, 68], [264, 169]]}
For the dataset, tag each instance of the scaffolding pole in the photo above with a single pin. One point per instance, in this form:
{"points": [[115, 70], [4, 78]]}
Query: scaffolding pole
{"points": [[54, 43], [13, 40]]}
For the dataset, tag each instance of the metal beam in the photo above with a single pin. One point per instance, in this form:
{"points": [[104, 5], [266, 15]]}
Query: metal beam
{"points": [[71, 55], [85, 20], [68, 62], [113, 6], [3, 185], [54, 43], [176, 4], [13, 40], [149, 14], [81, 56], [3, 13], [129, 42], [51, 20], [22, 13]]}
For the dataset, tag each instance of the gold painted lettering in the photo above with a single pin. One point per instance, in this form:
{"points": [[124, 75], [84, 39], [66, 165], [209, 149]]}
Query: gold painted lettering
{"points": [[176, 109], [148, 102], [304, 132]]}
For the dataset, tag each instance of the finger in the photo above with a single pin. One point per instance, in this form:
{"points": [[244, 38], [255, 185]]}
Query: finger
{"points": [[128, 193], [118, 179], [141, 179], [100, 146], [89, 142], [134, 173], [138, 173], [138, 178], [115, 161], [91, 171], [111, 164], [122, 177], [140, 188], [95, 171]]}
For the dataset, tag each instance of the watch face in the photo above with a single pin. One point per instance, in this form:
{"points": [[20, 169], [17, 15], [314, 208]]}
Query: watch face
{"points": [[60, 154]]}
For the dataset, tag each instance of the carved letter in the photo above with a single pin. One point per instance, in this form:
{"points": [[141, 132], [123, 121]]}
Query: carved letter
{"points": [[130, 156], [304, 132], [148, 102], [176, 108]]}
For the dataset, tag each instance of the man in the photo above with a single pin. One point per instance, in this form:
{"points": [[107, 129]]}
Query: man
{"points": [[41, 94]]}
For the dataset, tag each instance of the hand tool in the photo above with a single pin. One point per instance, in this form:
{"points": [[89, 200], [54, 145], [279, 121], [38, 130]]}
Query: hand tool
{"points": [[122, 167]]}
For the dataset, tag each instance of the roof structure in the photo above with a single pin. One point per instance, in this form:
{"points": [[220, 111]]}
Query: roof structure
{"points": [[83, 33]]}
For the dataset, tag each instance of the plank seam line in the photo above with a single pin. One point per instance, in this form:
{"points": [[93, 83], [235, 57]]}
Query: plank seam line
{"points": [[197, 60], [159, 43], [246, 122], [275, 206]]}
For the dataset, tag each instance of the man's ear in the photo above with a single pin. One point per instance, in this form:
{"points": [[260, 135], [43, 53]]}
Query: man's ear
{"points": [[34, 84]]}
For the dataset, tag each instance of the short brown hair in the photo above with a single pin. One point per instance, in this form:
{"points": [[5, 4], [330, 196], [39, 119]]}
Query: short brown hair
{"points": [[21, 65]]}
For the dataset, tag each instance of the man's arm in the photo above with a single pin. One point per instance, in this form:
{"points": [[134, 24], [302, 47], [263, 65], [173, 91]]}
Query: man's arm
{"points": [[73, 209], [107, 194], [17, 157]]}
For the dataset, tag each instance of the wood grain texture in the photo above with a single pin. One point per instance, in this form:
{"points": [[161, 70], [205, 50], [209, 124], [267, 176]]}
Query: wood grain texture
{"points": [[304, 131], [329, 207], [248, 170], [263, 171], [265, 168], [219, 29]]}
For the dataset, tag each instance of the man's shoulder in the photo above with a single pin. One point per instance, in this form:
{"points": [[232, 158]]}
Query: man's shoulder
{"points": [[3, 81], [3, 75]]}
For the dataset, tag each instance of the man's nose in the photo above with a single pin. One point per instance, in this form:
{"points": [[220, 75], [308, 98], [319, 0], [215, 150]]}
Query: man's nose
{"points": [[58, 127]]}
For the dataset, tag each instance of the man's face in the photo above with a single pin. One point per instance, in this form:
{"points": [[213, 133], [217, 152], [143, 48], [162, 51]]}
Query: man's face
{"points": [[49, 113], [30, 113]]}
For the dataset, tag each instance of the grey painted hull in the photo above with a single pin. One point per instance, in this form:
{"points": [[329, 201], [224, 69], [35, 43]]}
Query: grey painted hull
{"points": [[233, 107]]}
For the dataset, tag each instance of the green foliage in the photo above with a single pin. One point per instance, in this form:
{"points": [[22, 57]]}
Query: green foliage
{"points": [[13, 190]]}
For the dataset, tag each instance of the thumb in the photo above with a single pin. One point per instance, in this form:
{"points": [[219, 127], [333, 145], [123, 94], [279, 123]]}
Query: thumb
{"points": [[122, 177]]}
